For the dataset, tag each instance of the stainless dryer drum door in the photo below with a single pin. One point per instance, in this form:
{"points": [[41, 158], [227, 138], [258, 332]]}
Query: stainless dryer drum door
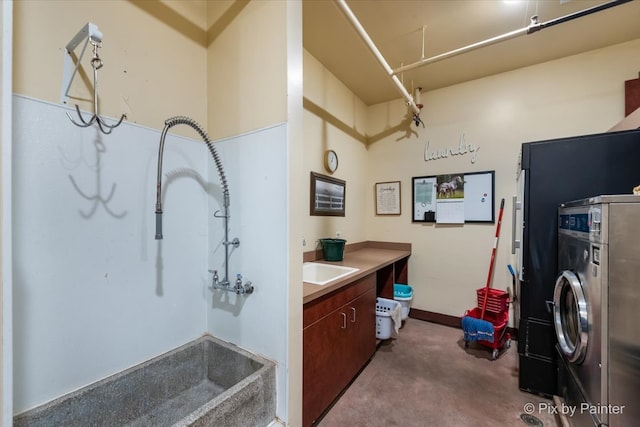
{"points": [[570, 316]]}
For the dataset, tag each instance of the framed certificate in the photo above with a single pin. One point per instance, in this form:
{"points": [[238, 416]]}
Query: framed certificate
{"points": [[388, 198]]}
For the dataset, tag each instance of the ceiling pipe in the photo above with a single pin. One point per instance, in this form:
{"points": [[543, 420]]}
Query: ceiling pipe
{"points": [[582, 13], [374, 50], [533, 27]]}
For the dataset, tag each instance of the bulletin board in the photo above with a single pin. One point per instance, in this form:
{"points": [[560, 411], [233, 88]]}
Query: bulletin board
{"points": [[454, 198]]}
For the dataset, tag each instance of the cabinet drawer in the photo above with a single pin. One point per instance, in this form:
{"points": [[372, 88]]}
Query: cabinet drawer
{"points": [[317, 309]]}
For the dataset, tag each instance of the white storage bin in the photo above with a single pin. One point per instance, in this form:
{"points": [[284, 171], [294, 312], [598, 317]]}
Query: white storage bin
{"points": [[405, 304], [384, 322]]}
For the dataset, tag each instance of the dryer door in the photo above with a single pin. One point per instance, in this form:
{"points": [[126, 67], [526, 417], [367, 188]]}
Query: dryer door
{"points": [[570, 316]]}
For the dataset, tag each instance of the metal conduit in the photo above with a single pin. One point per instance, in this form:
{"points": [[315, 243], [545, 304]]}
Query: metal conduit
{"points": [[365, 37], [532, 28]]}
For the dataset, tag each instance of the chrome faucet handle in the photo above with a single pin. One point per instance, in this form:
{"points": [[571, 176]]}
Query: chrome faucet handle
{"points": [[248, 287], [215, 277]]}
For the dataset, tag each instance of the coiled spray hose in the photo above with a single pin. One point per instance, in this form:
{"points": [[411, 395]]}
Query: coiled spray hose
{"points": [[168, 124]]}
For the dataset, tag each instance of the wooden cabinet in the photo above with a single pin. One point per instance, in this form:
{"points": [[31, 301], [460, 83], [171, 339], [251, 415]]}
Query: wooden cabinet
{"points": [[339, 337]]}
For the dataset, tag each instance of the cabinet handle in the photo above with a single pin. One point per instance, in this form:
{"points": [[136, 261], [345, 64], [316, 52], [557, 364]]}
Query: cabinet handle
{"points": [[344, 321], [353, 317]]}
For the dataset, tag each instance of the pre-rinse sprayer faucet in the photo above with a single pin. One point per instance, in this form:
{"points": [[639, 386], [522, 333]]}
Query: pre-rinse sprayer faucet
{"points": [[216, 283]]}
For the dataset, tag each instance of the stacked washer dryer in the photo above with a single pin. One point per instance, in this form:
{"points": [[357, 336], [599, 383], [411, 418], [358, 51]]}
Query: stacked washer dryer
{"points": [[597, 310]]}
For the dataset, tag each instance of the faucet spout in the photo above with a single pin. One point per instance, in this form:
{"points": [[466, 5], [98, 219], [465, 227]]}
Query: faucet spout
{"points": [[158, 225], [159, 183], [168, 124]]}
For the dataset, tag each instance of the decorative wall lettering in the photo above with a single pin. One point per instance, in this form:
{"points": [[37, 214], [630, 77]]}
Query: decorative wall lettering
{"points": [[462, 148]]}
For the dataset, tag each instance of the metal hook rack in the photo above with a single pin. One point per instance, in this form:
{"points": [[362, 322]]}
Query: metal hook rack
{"points": [[92, 35]]}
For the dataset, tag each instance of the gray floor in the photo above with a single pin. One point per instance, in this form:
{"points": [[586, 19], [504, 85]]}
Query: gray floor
{"points": [[425, 377]]}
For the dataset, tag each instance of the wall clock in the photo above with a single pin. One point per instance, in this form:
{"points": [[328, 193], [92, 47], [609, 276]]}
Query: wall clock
{"points": [[330, 161]]}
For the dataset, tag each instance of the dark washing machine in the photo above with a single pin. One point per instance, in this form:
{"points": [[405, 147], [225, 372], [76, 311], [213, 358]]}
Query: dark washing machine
{"points": [[595, 302]]}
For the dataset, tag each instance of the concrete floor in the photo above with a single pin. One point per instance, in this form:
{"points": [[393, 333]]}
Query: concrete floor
{"points": [[425, 377]]}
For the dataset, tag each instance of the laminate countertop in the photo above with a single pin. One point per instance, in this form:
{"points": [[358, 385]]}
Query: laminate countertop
{"points": [[367, 259]]}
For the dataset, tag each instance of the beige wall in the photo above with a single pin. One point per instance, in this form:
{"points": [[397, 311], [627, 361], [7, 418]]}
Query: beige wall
{"points": [[5, 109], [154, 56], [247, 67], [296, 209], [330, 106], [577, 95]]}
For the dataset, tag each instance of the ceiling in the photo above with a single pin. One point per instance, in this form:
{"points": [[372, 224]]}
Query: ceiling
{"points": [[396, 28]]}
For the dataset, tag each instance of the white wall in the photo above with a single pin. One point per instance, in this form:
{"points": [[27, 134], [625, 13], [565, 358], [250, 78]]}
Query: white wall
{"points": [[94, 293], [255, 166], [576, 95]]}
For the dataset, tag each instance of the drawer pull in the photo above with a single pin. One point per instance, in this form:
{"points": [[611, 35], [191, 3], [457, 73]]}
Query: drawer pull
{"points": [[344, 321], [353, 317]]}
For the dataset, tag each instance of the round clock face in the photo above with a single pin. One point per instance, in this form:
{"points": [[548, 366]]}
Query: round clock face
{"points": [[330, 160]]}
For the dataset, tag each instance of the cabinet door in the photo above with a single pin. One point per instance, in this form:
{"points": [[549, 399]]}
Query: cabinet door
{"points": [[336, 345], [361, 331], [324, 376]]}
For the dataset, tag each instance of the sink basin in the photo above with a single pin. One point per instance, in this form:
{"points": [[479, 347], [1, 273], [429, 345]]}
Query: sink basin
{"points": [[320, 274]]}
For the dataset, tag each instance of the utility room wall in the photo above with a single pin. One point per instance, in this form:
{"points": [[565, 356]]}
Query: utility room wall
{"points": [[334, 118], [225, 65], [577, 95], [94, 293]]}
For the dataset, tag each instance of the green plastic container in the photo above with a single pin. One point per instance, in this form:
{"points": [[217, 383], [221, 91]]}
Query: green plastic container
{"points": [[333, 249]]}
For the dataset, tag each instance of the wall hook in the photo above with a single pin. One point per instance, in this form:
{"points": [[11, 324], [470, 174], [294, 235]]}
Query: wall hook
{"points": [[92, 35]]}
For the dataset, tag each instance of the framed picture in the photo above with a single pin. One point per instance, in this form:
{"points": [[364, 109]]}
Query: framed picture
{"points": [[327, 195], [388, 198]]}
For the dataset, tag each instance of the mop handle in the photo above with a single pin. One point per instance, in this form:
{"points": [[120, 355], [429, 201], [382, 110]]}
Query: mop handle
{"points": [[493, 259]]}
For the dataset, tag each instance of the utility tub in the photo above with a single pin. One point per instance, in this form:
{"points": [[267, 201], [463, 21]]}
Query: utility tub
{"points": [[206, 382], [320, 274]]}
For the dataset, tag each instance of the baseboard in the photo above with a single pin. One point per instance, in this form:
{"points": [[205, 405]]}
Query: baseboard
{"points": [[441, 319], [448, 320]]}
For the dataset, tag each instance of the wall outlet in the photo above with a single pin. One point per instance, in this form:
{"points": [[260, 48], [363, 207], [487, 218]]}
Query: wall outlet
{"points": [[338, 234]]}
